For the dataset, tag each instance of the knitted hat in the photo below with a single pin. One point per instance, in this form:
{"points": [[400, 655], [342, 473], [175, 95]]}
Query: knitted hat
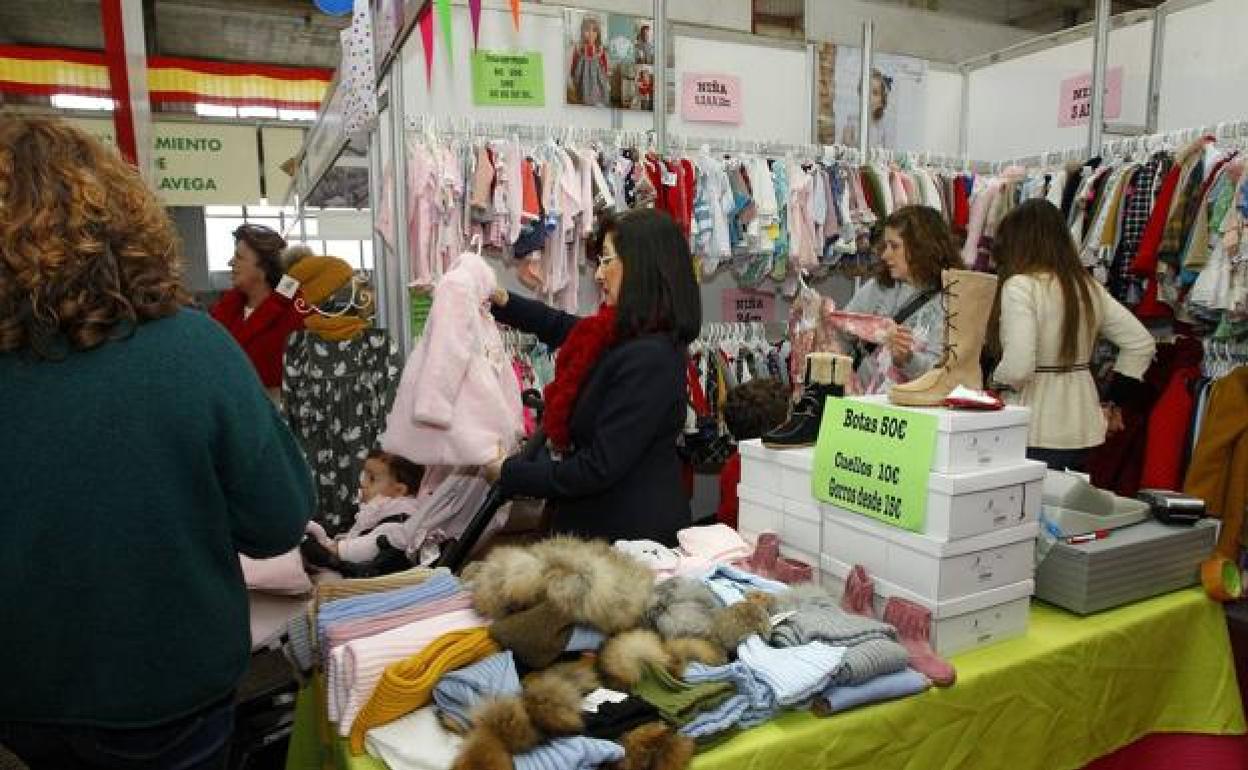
{"points": [[408, 685], [677, 701], [459, 692], [573, 752], [320, 277], [538, 635]]}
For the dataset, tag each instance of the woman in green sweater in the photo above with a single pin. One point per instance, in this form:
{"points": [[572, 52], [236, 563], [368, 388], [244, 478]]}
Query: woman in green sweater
{"points": [[139, 456]]}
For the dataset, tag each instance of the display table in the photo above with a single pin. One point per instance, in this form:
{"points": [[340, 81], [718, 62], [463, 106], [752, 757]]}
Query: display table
{"points": [[1070, 691]]}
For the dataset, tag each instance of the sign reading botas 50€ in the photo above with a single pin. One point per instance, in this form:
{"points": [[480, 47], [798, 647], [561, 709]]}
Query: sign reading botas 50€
{"points": [[875, 461]]}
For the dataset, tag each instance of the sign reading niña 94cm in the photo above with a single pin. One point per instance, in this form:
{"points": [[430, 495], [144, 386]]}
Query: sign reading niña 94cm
{"points": [[503, 79], [874, 460]]}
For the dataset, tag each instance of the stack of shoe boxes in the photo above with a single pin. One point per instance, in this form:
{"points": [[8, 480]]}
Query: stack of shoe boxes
{"points": [[972, 565]]}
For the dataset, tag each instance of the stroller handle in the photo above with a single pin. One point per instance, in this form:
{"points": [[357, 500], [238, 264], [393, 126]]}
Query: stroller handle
{"points": [[457, 553]]}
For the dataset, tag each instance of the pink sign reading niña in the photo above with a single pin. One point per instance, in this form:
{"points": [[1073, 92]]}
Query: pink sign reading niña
{"points": [[710, 98], [1075, 107]]}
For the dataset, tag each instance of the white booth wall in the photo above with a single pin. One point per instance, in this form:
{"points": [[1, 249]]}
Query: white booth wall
{"points": [[770, 113], [1013, 105], [942, 116], [1204, 65]]}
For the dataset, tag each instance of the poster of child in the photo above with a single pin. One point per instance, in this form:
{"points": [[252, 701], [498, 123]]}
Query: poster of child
{"points": [[645, 88], [898, 98], [588, 71], [610, 60]]}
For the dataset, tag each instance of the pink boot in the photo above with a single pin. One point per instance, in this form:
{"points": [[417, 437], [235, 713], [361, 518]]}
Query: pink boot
{"points": [[859, 597], [914, 624]]}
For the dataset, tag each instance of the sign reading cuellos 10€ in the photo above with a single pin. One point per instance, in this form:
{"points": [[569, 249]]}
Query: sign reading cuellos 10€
{"points": [[874, 460], [197, 164]]}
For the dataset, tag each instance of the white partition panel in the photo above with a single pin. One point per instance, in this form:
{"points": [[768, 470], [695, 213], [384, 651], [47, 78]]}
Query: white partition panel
{"points": [[1205, 65], [775, 88], [1014, 103], [942, 114], [450, 92]]}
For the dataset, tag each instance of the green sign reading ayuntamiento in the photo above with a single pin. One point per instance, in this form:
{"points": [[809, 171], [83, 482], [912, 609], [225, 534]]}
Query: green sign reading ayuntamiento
{"points": [[874, 460], [501, 79]]}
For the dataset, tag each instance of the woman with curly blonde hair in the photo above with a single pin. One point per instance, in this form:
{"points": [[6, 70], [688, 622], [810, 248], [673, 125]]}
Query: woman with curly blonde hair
{"points": [[140, 456]]}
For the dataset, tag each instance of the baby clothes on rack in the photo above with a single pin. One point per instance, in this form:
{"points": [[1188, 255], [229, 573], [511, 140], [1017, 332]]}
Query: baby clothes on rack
{"points": [[458, 401]]}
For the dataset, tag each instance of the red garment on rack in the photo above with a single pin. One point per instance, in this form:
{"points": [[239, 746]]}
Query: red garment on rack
{"points": [[1145, 261], [729, 478], [1169, 424], [1118, 464], [961, 205]]}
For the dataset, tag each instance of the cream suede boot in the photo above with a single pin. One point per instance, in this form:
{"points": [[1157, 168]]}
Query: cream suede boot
{"points": [[968, 298], [826, 375]]}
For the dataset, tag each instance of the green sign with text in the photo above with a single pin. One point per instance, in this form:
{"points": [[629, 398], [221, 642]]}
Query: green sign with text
{"points": [[501, 79], [874, 460]]}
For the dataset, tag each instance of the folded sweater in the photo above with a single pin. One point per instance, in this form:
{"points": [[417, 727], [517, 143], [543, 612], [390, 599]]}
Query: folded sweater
{"points": [[348, 631], [459, 692], [355, 668], [888, 687], [408, 684]]}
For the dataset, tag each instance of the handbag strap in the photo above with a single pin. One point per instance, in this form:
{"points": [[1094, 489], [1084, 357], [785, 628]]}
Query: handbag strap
{"points": [[912, 307]]}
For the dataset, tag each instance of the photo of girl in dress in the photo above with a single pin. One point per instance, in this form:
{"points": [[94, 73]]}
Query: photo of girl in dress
{"points": [[588, 75], [645, 89], [610, 60], [879, 133]]}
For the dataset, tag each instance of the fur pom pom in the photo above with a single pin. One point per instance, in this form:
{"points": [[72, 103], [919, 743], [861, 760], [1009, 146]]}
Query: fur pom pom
{"points": [[735, 623], [682, 652], [553, 704], [621, 658], [655, 746]]}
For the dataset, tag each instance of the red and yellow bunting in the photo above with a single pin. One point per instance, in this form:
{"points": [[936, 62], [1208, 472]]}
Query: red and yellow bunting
{"points": [[44, 71]]}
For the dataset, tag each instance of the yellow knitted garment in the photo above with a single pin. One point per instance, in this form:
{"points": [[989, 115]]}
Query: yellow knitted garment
{"points": [[408, 685]]}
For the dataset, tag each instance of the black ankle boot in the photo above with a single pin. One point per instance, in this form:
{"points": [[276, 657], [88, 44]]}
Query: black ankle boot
{"points": [[802, 427], [317, 555]]}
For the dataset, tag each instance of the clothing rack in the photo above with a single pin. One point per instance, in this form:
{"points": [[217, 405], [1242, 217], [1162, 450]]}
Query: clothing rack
{"points": [[1222, 357], [470, 127], [714, 332], [1230, 132]]}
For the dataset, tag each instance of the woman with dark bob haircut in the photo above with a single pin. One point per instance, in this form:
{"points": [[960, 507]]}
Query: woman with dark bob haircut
{"points": [[618, 400], [140, 457]]}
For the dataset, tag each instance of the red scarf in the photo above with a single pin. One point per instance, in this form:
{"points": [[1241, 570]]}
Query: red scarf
{"points": [[577, 357]]}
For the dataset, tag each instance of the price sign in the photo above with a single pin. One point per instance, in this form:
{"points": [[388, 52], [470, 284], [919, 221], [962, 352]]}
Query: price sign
{"points": [[875, 461], [502, 79]]}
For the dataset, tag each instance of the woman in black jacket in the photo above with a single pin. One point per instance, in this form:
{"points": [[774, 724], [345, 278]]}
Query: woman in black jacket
{"points": [[618, 400]]}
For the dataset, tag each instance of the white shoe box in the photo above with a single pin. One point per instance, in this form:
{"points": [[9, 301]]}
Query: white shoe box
{"points": [[958, 505], [798, 524], [933, 569], [959, 625], [972, 440], [760, 466], [758, 511]]}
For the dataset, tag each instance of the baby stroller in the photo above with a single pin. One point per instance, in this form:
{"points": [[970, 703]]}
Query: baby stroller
{"points": [[455, 553]]}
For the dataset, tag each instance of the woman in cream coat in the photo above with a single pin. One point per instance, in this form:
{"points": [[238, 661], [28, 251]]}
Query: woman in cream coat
{"points": [[1051, 315]]}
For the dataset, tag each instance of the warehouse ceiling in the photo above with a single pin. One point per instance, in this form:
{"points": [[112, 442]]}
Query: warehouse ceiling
{"points": [[1039, 16], [295, 33], [288, 32]]}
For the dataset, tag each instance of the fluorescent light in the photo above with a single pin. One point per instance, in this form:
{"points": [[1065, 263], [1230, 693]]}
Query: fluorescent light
{"points": [[76, 102], [257, 112], [306, 115], [215, 111]]}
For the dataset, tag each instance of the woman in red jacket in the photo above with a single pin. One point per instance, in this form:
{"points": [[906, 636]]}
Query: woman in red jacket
{"points": [[259, 318]]}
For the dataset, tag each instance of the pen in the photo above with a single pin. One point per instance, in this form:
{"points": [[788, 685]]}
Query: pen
{"points": [[1099, 534]]}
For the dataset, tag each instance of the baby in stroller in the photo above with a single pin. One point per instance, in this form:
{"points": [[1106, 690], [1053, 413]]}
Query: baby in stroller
{"points": [[382, 530]]}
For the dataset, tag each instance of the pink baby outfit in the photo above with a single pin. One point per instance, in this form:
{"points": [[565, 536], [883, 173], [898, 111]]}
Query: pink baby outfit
{"points": [[458, 402]]}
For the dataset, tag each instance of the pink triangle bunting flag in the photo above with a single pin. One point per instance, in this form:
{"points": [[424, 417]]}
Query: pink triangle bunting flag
{"points": [[515, 14], [474, 10], [426, 38]]}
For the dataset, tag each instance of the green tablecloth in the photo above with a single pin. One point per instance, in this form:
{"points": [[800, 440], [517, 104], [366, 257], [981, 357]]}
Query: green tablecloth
{"points": [[1071, 690]]}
